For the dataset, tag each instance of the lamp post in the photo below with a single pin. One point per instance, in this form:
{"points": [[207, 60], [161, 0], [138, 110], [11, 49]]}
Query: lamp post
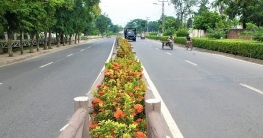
{"points": [[162, 12]]}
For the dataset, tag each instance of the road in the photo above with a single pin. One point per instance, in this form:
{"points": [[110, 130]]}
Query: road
{"points": [[208, 95], [36, 95]]}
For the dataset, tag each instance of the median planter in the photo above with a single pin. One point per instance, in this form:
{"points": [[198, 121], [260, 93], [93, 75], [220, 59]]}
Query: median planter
{"points": [[116, 106], [119, 101]]}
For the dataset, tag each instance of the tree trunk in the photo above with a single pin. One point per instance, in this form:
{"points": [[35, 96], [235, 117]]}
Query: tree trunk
{"points": [[31, 44], [78, 38], [62, 39], [10, 36], [49, 39], [45, 40], [21, 45], [1, 49], [75, 39], [66, 39], [58, 39], [70, 36], [37, 39]]}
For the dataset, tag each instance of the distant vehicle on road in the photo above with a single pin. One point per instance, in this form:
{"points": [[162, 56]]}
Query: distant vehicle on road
{"points": [[130, 33], [142, 36]]}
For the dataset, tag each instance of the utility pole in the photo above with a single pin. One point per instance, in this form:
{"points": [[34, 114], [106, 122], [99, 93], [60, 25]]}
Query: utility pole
{"points": [[163, 13], [147, 18]]}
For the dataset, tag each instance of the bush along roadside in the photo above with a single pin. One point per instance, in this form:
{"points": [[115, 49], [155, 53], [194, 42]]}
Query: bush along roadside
{"points": [[243, 48], [119, 101]]}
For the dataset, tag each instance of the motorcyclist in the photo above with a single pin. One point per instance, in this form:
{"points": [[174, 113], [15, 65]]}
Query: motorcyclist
{"points": [[170, 39]]}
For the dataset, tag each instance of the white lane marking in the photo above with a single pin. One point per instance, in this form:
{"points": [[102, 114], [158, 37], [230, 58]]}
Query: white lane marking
{"points": [[191, 62], [90, 46], [168, 53], [1, 83], [63, 128], [165, 112], [46, 65], [157, 48], [69, 55], [251, 88], [150, 45], [82, 50]]}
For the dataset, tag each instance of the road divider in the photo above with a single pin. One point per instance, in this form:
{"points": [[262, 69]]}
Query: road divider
{"points": [[251, 88]]}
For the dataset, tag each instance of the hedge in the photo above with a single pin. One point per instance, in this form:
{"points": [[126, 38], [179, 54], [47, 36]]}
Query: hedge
{"points": [[244, 48]]}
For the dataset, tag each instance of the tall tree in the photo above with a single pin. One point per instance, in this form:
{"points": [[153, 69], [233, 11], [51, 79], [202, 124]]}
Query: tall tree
{"points": [[102, 22], [245, 9], [184, 8], [10, 19]]}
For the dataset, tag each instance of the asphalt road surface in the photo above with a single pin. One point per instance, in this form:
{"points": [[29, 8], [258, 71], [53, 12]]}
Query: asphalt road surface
{"points": [[36, 95], [208, 95]]}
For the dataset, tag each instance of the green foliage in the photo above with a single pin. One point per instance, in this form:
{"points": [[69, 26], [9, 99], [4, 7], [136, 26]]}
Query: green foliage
{"points": [[154, 34], [102, 22], [182, 33], [219, 31], [244, 48], [169, 31], [253, 31]]}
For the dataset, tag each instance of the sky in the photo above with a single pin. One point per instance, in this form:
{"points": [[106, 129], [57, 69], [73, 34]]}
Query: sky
{"points": [[122, 11]]}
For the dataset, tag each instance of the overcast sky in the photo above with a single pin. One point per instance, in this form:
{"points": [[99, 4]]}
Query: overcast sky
{"points": [[122, 11]]}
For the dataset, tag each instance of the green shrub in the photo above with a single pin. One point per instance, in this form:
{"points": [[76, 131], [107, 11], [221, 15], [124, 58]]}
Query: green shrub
{"points": [[169, 32], [155, 34], [182, 33]]}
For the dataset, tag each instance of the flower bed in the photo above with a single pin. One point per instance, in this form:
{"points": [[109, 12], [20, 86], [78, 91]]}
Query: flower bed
{"points": [[118, 104]]}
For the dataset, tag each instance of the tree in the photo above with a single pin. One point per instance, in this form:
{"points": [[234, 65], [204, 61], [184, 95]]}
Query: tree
{"points": [[10, 19], [102, 22], [153, 26], [183, 8], [171, 25], [245, 9], [212, 20], [253, 31]]}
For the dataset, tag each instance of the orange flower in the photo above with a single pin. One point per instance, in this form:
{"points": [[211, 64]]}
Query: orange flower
{"points": [[139, 120], [119, 113], [140, 134], [99, 86], [101, 93], [96, 100], [93, 125], [137, 88], [138, 107]]}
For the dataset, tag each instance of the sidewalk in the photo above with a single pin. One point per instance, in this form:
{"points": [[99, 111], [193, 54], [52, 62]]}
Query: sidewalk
{"points": [[6, 60]]}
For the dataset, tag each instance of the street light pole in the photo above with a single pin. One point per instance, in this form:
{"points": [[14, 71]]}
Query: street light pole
{"points": [[163, 16]]}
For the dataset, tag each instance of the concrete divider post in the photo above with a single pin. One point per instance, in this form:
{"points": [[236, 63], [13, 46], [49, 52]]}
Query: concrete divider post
{"points": [[83, 102]]}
